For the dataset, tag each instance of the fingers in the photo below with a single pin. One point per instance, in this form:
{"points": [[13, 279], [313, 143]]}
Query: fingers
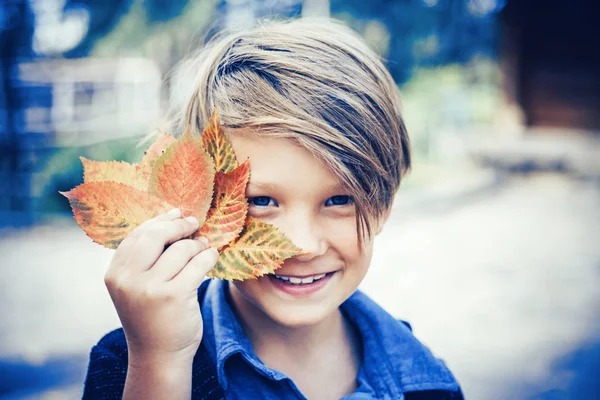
{"points": [[124, 249], [153, 238], [168, 216], [174, 259], [194, 272]]}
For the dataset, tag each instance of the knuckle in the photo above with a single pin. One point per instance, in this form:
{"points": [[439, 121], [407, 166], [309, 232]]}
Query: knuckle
{"points": [[193, 246], [148, 292], [109, 279], [168, 297], [205, 258], [116, 283], [135, 233], [157, 294], [155, 234], [180, 245], [140, 229], [154, 231], [182, 227]]}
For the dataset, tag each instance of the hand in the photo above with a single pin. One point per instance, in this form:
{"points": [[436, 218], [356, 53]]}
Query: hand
{"points": [[154, 289]]}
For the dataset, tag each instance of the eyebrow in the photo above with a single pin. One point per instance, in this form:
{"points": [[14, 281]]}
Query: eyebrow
{"points": [[275, 186]]}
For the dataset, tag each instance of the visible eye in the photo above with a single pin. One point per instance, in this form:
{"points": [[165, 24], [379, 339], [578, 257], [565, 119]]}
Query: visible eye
{"points": [[262, 201], [339, 201]]}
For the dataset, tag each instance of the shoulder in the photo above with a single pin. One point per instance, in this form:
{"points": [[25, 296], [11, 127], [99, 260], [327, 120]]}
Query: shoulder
{"points": [[107, 368], [411, 366]]}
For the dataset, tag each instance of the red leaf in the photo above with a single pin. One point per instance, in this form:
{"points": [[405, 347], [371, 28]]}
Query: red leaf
{"points": [[183, 177], [227, 214]]}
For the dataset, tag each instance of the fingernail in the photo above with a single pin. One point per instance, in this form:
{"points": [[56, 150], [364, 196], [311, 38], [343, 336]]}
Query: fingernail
{"points": [[176, 212], [193, 220], [202, 239]]}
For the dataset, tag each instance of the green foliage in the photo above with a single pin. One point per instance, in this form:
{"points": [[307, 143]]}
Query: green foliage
{"points": [[137, 35], [449, 98]]}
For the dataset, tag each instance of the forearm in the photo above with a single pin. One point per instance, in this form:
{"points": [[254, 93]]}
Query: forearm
{"points": [[158, 379]]}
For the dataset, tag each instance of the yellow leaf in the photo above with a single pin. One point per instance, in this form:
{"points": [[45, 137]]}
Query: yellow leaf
{"points": [[157, 149], [107, 211], [260, 250], [117, 171], [217, 145]]}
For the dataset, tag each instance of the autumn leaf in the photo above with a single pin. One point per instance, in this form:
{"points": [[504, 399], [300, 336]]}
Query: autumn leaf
{"points": [[259, 250], [227, 214], [183, 176], [217, 145], [157, 149], [108, 211], [116, 197], [118, 171]]}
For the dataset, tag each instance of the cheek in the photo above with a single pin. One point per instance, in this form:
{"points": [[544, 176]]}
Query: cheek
{"points": [[343, 239]]}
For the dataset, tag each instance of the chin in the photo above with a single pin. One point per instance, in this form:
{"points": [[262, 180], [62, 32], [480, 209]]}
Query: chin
{"points": [[298, 316]]}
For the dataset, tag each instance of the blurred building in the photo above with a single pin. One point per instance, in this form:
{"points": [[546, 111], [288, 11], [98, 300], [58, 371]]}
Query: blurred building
{"points": [[55, 96], [551, 61]]}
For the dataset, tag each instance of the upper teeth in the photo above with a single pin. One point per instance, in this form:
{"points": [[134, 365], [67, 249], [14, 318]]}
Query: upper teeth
{"points": [[298, 281]]}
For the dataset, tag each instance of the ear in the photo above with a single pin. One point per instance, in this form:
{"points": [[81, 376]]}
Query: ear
{"points": [[383, 220]]}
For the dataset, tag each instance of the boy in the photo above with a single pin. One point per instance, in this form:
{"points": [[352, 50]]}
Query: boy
{"points": [[318, 116]]}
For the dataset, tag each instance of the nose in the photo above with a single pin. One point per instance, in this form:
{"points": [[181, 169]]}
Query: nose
{"points": [[307, 234]]}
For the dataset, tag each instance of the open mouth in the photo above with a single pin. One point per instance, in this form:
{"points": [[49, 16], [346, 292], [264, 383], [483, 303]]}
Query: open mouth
{"points": [[292, 280], [300, 285]]}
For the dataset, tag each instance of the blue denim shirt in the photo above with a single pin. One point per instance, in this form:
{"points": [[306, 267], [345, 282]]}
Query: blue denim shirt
{"points": [[393, 361]]}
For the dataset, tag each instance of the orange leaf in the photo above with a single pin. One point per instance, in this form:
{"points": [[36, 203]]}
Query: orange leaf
{"points": [[260, 250], [217, 145], [117, 171], [116, 197], [157, 149], [183, 177], [227, 214], [107, 211]]}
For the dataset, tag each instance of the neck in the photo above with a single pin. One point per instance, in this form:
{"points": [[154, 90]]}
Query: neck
{"points": [[305, 353], [276, 344]]}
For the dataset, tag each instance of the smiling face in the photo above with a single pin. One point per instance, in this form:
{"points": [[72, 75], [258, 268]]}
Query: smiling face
{"points": [[297, 193]]}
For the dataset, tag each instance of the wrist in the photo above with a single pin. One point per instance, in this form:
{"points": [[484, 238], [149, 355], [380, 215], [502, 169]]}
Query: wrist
{"points": [[159, 360], [159, 376], [168, 374]]}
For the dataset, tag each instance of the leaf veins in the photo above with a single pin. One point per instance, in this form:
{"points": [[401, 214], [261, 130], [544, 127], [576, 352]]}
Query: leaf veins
{"points": [[183, 176], [107, 211], [227, 214], [259, 250], [217, 145]]}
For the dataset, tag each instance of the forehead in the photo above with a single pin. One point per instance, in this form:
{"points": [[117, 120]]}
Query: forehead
{"points": [[281, 160]]}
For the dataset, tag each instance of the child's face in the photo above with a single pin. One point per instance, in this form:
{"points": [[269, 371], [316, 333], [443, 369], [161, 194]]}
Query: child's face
{"points": [[296, 192]]}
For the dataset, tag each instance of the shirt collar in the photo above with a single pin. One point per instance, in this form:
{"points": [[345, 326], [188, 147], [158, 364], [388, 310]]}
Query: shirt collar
{"points": [[223, 334], [394, 360]]}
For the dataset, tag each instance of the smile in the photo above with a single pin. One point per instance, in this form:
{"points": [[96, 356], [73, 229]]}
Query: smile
{"points": [[300, 281], [301, 286]]}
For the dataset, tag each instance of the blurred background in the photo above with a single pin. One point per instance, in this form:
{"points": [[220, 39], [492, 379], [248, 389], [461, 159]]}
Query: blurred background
{"points": [[493, 248]]}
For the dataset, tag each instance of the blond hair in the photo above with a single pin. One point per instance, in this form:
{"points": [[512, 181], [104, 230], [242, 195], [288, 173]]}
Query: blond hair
{"points": [[315, 82]]}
